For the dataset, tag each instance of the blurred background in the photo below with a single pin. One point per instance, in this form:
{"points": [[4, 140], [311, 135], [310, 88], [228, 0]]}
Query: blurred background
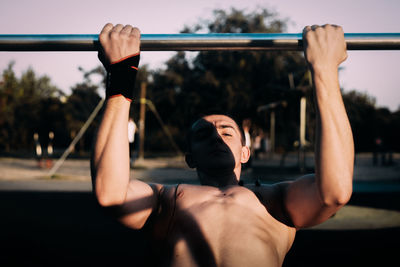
{"points": [[51, 104]]}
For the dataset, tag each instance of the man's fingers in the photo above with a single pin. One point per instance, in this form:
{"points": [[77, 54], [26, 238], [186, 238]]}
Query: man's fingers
{"points": [[330, 25], [117, 28], [118, 42], [135, 31], [306, 29], [317, 27], [127, 29], [314, 27], [105, 33], [108, 27]]}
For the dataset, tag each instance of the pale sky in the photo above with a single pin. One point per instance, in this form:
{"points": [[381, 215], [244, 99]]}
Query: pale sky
{"points": [[375, 72]]}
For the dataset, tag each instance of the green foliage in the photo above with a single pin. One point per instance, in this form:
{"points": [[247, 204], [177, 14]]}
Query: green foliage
{"points": [[80, 104], [235, 82], [369, 122], [191, 84], [31, 104], [24, 102], [394, 131]]}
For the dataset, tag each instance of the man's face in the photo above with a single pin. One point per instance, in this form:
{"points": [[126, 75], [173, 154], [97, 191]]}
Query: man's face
{"points": [[216, 144]]}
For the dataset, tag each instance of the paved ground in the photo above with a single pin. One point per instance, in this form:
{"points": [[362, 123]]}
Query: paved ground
{"points": [[74, 176], [171, 169], [55, 222]]}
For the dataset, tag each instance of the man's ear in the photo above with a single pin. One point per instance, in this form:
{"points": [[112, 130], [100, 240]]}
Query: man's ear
{"points": [[189, 160], [245, 154]]}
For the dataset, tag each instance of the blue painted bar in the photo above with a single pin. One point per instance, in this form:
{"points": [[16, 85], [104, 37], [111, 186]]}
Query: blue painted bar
{"points": [[193, 42]]}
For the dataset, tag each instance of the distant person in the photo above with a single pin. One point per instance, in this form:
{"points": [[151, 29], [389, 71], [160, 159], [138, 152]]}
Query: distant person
{"points": [[257, 149], [380, 151], [131, 140], [377, 149], [38, 150], [220, 223], [50, 151]]}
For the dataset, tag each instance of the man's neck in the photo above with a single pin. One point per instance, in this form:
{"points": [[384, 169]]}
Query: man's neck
{"points": [[219, 180]]}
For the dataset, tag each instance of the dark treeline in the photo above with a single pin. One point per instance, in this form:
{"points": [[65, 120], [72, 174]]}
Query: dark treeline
{"points": [[31, 104], [192, 83]]}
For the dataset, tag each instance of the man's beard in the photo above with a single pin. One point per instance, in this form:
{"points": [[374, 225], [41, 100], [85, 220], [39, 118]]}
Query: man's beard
{"points": [[223, 166]]}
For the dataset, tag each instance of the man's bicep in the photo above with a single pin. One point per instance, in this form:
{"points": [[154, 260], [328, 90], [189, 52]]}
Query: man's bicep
{"points": [[141, 201], [303, 204]]}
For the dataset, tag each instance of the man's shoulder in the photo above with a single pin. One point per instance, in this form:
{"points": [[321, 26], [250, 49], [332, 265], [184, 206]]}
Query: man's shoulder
{"points": [[169, 196], [263, 191], [170, 192]]}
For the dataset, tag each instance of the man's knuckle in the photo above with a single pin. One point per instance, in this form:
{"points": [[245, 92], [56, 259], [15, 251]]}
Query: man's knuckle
{"points": [[103, 37], [109, 25], [124, 34], [114, 35], [136, 31], [308, 33]]}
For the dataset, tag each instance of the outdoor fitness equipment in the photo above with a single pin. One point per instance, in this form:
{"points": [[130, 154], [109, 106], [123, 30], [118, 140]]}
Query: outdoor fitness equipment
{"points": [[185, 42], [193, 42]]}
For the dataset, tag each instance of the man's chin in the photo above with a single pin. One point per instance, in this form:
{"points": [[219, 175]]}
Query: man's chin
{"points": [[218, 169]]}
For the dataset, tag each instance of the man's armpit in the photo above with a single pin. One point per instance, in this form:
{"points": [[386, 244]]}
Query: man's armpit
{"points": [[273, 199], [161, 218]]}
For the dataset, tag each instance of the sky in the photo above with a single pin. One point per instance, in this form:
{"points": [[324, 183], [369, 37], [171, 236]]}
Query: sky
{"points": [[373, 72]]}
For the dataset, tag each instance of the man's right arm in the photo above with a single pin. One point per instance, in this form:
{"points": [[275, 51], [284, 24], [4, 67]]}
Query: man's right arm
{"points": [[313, 199], [132, 201]]}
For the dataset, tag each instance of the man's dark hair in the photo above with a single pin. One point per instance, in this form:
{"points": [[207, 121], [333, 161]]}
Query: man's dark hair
{"points": [[213, 112]]}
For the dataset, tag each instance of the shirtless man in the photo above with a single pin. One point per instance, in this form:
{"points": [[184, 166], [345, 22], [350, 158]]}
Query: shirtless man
{"points": [[220, 222]]}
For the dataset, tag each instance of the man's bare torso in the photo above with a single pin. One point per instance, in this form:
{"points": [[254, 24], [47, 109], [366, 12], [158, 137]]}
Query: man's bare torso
{"points": [[209, 226]]}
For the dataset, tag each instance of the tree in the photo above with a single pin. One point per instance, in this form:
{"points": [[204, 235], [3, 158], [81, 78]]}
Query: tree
{"points": [[235, 81], [8, 98], [360, 106], [22, 108], [80, 104]]}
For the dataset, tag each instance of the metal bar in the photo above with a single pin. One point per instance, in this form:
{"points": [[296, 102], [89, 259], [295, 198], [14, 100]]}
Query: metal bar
{"points": [[193, 42]]}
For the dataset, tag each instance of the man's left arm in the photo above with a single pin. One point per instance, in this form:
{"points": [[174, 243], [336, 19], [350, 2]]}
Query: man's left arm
{"points": [[312, 199]]}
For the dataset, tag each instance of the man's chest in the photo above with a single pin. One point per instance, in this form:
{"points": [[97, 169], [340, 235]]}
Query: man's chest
{"points": [[233, 212], [231, 223]]}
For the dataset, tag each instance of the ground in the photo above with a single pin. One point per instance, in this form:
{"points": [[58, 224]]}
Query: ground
{"points": [[55, 221]]}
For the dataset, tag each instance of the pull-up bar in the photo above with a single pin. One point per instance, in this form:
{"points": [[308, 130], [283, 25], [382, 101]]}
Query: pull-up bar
{"points": [[193, 42]]}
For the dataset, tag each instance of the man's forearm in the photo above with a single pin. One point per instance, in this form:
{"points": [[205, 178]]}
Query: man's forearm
{"points": [[334, 150], [111, 153]]}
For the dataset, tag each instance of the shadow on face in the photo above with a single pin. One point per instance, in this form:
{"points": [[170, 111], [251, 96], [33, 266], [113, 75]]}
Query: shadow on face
{"points": [[209, 151]]}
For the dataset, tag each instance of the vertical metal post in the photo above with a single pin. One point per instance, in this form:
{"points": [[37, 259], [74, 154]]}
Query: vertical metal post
{"points": [[303, 105], [291, 81], [142, 119], [302, 156], [272, 131]]}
